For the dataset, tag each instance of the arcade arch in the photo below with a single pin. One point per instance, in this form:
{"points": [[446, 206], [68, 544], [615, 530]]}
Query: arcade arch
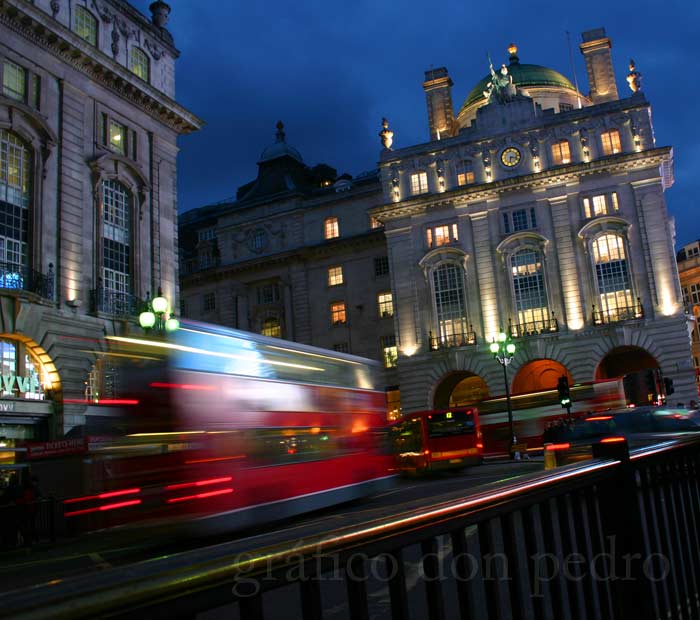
{"points": [[460, 389], [539, 375], [623, 360]]}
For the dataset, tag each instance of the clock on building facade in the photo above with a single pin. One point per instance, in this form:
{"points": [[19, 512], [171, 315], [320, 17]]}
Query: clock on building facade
{"points": [[510, 157]]}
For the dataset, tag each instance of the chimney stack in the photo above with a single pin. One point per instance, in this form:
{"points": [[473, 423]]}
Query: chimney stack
{"points": [[601, 76], [438, 94]]}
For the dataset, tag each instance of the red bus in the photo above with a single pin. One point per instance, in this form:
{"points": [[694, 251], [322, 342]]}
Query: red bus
{"points": [[220, 429], [440, 439]]}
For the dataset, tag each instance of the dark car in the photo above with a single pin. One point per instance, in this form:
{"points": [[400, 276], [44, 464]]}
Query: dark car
{"points": [[638, 426]]}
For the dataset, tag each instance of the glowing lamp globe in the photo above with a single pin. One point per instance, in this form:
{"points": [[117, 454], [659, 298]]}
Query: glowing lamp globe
{"points": [[172, 324], [494, 347], [501, 337], [510, 348], [147, 319], [159, 304]]}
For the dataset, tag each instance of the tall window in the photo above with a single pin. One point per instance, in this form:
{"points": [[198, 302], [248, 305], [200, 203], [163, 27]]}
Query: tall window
{"points": [[528, 288], [449, 301], [612, 276], [271, 327], [419, 183], [561, 153], [117, 137], [335, 276], [15, 194], [139, 64], [381, 265], [385, 302], [14, 81], [465, 172], [611, 142], [338, 312], [330, 228], [85, 25], [601, 204], [390, 353], [116, 239]]}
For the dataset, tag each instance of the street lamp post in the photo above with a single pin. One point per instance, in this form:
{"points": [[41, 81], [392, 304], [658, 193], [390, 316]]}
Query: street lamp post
{"points": [[153, 316], [503, 350]]}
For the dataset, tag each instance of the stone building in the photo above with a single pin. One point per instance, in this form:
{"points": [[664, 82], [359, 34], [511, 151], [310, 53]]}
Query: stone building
{"points": [[295, 255], [88, 130], [540, 211], [689, 271]]}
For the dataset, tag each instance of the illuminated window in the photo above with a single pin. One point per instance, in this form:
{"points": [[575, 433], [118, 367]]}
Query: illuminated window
{"points": [[600, 204], [116, 239], [209, 302], [611, 142], [448, 286], [385, 302], [419, 183], [15, 196], [441, 235], [612, 276], [338, 313], [561, 154], [117, 137], [381, 266], [465, 172], [393, 403], [390, 353], [14, 81], [335, 276], [26, 375], [528, 287], [330, 228], [139, 63], [695, 293], [271, 327], [85, 25]]}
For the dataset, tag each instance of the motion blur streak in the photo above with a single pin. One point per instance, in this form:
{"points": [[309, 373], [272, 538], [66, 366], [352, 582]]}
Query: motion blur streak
{"points": [[102, 495], [558, 446], [198, 483], [599, 418], [612, 440], [106, 401], [216, 458], [182, 386], [132, 502], [200, 495]]}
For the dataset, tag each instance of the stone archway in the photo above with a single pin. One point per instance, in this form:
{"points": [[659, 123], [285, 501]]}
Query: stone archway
{"points": [[539, 375], [624, 360], [460, 389]]}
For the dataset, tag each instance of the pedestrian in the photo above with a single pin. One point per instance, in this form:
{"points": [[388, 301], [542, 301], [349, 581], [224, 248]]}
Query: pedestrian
{"points": [[26, 514]]}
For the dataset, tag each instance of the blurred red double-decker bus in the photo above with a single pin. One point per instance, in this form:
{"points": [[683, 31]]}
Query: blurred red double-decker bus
{"points": [[441, 439], [222, 429]]}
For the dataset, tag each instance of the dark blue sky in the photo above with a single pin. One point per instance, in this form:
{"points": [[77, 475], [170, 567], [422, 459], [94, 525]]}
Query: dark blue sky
{"points": [[330, 70]]}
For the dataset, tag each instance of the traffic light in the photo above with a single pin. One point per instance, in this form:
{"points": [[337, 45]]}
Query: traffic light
{"points": [[668, 386], [564, 394]]}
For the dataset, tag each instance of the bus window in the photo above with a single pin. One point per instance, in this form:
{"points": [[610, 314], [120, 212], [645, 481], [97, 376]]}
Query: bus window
{"points": [[451, 423], [408, 437]]}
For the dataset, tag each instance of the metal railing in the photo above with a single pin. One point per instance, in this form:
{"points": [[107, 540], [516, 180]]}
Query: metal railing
{"points": [[26, 524], [452, 340], [113, 303], [533, 328], [619, 314], [20, 277], [616, 537]]}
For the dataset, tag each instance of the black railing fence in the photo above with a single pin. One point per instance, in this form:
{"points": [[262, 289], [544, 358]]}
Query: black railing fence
{"points": [[533, 328], [615, 537], [21, 277], [114, 303], [619, 314], [23, 524], [447, 341]]}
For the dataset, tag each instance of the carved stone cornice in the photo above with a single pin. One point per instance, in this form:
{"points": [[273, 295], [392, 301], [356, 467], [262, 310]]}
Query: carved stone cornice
{"points": [[562, 175], [43, 31]]}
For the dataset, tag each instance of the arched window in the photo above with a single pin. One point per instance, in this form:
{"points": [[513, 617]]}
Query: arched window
{"points": [[85, 25], [530, 294], [450, 307], [613, 281], [139, 63], [271, 327], [561, 153], [116, 246], [15, 196], [23, 374]]}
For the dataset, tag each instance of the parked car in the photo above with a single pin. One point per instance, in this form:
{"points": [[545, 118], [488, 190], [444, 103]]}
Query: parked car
{"points": [[570, 443]]}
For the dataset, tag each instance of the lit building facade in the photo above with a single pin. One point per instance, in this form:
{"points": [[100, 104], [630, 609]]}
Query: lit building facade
{"points": [[88, 129], [538, 211], [296, 256], [689, 271]]}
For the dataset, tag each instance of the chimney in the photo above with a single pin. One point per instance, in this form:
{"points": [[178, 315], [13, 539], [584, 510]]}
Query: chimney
{"points": [[601, 77], [159, 13], [438, 95]]}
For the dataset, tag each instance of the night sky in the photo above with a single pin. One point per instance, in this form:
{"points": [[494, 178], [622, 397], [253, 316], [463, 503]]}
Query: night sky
{"points": [[330, 71]]}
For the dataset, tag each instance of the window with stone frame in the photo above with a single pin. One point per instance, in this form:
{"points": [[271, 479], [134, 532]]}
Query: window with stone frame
{"points": [[419, 182], [116, 242], [390, 352], [385, 303], [268, 293], [517, 220], [443, 234], [331, 229], [271, 327], [610, 141], [600, 204], [561, 153], [139, 64], [527, 272], [335, 276], [450, 305], [85, 25], [381, 265], [613, 282], [465, 172], [14, 81], [338, 316]]}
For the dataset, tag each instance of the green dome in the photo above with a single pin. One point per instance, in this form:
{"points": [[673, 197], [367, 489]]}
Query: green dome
{"points": [[524, 76]]}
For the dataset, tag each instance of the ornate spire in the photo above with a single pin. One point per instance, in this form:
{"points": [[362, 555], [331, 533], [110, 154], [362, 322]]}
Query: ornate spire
{"points": [[280, 132], [386, 135], [634, 78]]}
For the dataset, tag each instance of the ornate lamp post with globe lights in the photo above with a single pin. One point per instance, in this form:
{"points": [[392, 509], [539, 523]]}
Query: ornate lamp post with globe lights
{"points": [[153, 317], [503, 350]]}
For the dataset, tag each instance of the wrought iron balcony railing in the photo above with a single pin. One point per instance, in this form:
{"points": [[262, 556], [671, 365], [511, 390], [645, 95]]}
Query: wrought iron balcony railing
{"points": [[116, 304], [452, 340], [619, 314], [533, 328], [22, 278]]}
